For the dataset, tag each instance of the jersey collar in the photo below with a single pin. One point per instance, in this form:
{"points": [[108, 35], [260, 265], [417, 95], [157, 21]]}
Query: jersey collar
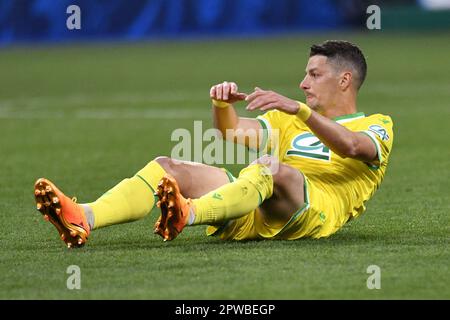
{"points": [[349, 117]]}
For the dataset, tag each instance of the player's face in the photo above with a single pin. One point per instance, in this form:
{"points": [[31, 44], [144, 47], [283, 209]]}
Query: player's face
{"points": [[320, 84]]}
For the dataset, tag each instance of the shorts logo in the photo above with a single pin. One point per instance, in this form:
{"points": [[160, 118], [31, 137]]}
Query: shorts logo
{"points": [[307, 145], [322, 217], [379, 131], [217, 196]]}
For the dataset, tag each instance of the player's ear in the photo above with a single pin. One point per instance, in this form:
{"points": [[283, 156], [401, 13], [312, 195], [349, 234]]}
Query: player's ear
{"points": [[345, 80]]}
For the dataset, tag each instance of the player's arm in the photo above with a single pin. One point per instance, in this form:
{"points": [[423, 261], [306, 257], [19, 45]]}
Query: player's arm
{"points": [[233, 128], [340, 140]]}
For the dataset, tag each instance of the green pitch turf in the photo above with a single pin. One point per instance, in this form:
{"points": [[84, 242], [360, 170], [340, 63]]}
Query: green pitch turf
{"points": [[88, 116]]}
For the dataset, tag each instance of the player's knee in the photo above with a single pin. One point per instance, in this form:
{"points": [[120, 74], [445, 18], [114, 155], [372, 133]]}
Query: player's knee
{"points": [[166, 163], [171, 166], [269, 161], [265, 159], [163, 161], [284, 176]]}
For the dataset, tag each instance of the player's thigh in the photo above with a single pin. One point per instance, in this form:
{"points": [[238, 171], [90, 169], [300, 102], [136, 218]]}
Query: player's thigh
{"points": [[288, 193], [194, 179]]}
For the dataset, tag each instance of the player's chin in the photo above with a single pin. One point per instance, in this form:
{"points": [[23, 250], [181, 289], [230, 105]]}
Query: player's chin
{"points": [[311, 102]]}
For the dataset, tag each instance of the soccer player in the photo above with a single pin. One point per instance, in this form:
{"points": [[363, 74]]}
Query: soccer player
{"points": [[324, 161]]}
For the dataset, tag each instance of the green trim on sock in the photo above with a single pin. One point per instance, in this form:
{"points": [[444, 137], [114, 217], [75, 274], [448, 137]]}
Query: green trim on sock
{"points": [[229, 175], [148, 184]]}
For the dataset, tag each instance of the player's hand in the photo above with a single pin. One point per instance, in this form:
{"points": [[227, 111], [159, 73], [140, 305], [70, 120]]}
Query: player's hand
{"points": [[267, 100], [227, 92]]}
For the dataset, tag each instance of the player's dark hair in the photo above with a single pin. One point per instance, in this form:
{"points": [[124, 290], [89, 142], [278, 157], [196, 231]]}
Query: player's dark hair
{"points": [[343, 54]]}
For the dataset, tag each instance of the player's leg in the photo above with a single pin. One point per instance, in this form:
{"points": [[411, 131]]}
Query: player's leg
{"points": [[133, 198], [194, 179], [274, 214], [288, 192], [257, 183]]}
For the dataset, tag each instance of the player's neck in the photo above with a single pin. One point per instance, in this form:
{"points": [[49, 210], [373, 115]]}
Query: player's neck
{"points": [[340, 108]]}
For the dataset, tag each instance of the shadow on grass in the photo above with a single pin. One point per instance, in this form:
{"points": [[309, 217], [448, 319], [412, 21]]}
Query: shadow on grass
{"points": [[115, 240], [203, 243]]}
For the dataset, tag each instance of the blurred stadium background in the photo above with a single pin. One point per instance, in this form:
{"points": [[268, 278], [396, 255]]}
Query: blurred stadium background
{"points": [[43, 20], [88, 107]]}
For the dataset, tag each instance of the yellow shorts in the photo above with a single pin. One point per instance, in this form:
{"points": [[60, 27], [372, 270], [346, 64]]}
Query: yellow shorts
{"points": [[316, 219]]}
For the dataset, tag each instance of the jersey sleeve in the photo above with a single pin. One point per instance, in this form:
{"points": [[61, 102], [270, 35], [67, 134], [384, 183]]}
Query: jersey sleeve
{"points": [[379, 128], [273, 123]]}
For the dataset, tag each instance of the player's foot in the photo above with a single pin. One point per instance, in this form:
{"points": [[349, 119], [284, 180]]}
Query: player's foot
{"points": [[174, 207], [66, 215]]}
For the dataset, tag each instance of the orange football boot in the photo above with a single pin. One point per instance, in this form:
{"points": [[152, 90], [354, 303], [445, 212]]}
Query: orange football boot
{"points": [[174, 209], [66, 215]]}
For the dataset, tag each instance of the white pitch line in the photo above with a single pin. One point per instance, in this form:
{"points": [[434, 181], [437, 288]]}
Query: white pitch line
{"points": [[111, 114], [57, 107], [180, 96], [81, 105], [145, 114], [109, 99]]}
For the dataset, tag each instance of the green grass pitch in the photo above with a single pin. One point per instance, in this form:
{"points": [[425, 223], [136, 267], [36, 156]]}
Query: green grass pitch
{"points": [[88, 116]]}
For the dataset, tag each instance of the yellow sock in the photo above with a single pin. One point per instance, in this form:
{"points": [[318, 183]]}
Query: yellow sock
{"points": [[236, 199], [130, 200]]}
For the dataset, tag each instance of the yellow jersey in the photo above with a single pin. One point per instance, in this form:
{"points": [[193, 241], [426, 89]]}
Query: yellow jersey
{"points": [[343, 184]]}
